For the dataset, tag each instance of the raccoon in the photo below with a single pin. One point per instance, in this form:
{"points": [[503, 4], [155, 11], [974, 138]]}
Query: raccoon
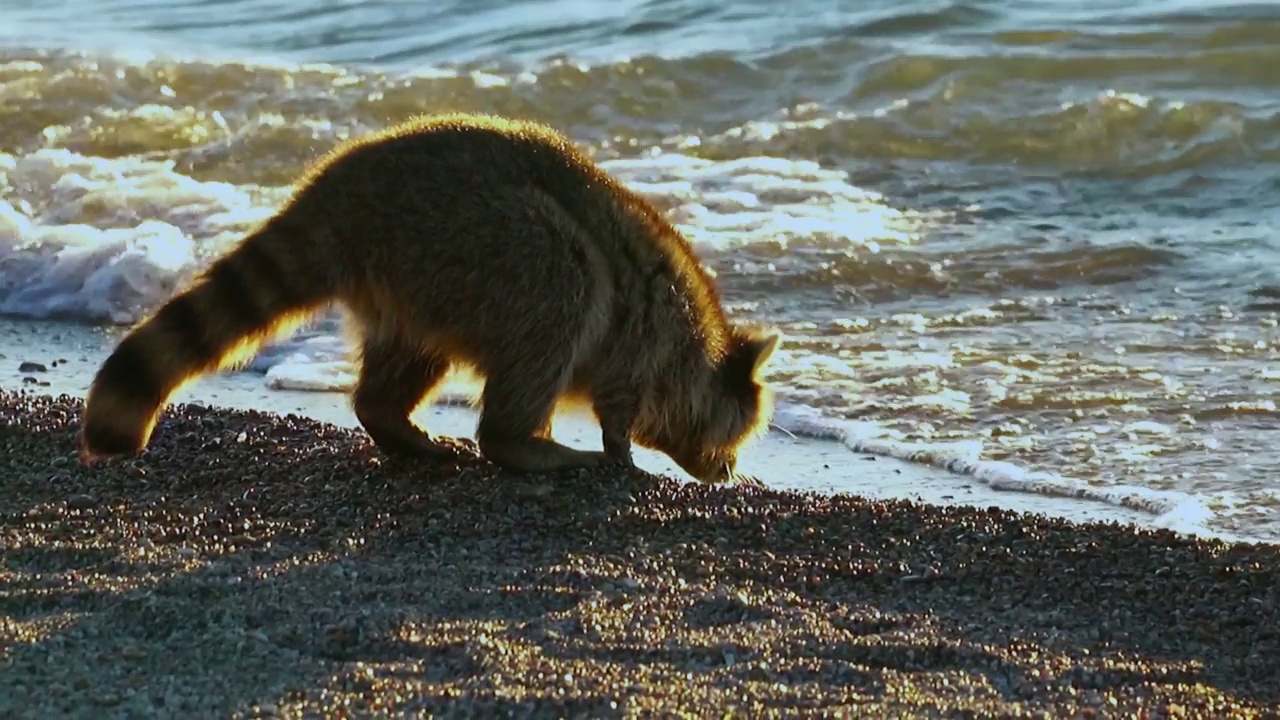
{"points": [[479, 242]]}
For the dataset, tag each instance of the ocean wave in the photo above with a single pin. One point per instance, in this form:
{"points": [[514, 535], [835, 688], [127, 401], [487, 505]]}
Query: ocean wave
{"points": [[1104, 115], [106, 239], [1112, 134]]}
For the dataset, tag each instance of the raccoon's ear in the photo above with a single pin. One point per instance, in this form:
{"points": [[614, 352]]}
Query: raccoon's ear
{"points": [[755, 347]]}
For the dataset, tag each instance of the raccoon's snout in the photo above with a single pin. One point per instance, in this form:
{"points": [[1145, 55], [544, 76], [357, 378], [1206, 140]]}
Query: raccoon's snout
{"points": [[716, 473]]}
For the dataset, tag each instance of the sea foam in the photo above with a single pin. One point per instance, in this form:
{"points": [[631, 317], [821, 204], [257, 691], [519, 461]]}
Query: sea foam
{"points": [[107, 240]]}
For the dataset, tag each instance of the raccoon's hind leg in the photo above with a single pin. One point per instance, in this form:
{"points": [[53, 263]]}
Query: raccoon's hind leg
{"points": [[395, 378]]}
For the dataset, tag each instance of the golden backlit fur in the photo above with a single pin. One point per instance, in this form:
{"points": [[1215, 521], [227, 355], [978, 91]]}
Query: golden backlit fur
{"points": [[476, 241]]}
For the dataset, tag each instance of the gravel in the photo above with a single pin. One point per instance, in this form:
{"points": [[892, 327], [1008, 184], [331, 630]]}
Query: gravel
{"points": [[250, 565]]}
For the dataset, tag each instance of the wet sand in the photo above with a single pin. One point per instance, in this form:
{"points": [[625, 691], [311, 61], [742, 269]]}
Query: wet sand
{"points": [[254, 565]]}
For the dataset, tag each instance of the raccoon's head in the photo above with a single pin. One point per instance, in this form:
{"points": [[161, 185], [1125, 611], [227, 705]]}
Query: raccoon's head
{"points": [[731, 408]]}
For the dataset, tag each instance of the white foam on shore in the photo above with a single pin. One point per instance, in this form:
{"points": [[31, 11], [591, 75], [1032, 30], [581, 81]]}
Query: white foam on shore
{"points": [[107, 240], [1173, 510]]}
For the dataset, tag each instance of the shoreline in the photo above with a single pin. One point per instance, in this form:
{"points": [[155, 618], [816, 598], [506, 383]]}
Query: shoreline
{"points": [[781, 460], [253, 565]]}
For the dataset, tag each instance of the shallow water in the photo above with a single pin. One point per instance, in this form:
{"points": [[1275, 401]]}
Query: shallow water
{"points": [[1021, 240]]}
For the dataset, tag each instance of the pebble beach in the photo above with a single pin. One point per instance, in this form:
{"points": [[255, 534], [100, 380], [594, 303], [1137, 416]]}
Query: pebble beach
{"points": [[255, 565], [1030, 244]]}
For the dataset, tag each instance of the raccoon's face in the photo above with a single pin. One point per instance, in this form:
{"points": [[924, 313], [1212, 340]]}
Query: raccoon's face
{"points": [[707, 445], [710, 464]]}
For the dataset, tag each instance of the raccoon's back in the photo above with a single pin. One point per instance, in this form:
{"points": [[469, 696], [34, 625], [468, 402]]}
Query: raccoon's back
{"points": [[468, 268], [446, 218], [453, 162]]}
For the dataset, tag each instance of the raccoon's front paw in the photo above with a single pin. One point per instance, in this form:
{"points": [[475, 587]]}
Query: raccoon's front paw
{"points": [[623, 461], [611, 460], [594, 459]]}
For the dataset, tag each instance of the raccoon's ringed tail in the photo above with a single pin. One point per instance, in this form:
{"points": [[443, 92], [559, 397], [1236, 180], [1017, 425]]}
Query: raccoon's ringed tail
{"points": [[262, 288]]}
